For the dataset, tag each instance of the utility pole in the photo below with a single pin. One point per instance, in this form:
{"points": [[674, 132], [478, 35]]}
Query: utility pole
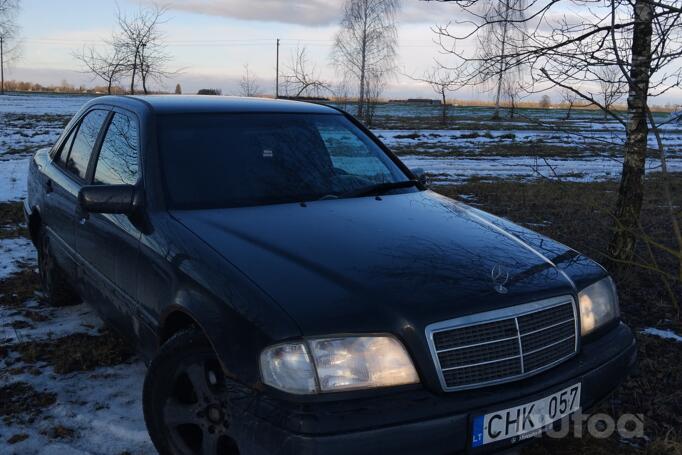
{"points": [[2, 67], [277, 72]]}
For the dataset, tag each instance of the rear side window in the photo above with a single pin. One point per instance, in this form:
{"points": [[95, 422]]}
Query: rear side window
{"points": [[84, 142], [118, 159]]}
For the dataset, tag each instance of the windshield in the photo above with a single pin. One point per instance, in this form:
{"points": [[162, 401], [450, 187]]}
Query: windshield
{"points": [[233, 160]]}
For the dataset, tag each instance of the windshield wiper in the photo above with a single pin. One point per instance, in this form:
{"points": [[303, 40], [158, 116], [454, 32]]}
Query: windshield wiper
{"points": [[380, 188]]}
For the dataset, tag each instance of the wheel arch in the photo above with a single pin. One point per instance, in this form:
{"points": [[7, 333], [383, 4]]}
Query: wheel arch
{"points": [[176, 320], [35, 221], [179, 317]]}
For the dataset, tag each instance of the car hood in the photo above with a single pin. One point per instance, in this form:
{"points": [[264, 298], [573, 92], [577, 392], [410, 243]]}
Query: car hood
{"points": [[395, 263]]}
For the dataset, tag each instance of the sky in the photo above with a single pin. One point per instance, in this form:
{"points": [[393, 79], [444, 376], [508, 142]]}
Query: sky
{"points": [[210, 41]]}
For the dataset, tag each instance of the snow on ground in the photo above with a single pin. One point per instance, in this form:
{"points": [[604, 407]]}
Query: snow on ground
{"points": [[62, 321], [667, 334], [449, 170], [13, 174], [95, 412], [13, 253], [103, 407], [53, 104], [33, 121], [23, 135], [474, 139]]}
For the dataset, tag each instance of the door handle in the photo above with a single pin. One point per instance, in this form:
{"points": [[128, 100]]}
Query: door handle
{"points": [[48, 186], [82, 215]]}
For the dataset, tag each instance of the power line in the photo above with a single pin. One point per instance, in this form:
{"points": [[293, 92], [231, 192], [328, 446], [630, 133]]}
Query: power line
{"points": [[220, 42]]}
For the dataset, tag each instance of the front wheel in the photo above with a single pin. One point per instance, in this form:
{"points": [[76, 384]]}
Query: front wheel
{"points": [[185, 400]]}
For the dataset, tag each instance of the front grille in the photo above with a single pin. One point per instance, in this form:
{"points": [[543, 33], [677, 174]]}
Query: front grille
{"points": [[504, 345]]}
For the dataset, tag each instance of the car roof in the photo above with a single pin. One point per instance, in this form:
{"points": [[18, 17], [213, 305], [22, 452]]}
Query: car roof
{"points": [[180, 104]]}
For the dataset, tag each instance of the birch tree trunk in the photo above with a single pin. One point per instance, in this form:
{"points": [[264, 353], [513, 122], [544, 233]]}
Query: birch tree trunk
{"points": [[363, 66], [503, 45], [2, 67], [631, 191]]}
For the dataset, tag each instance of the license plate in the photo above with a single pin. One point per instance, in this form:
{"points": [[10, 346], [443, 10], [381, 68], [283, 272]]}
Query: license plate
{"points": [[526, 420]]}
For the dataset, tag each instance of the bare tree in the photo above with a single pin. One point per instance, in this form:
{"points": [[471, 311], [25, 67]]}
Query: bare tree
{"points": [[302, 78], [248, 85], [643, 38], [342, 93], [375, 82], [109, 67], [569, 98], [365, 47], [8, 32], [141, 41], [136, 51], [612, 86], [500, 41], [512, 88], [178, 89], [545, 101], [441, 82]]}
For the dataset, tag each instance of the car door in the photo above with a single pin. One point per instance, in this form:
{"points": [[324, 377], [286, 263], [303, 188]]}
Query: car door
{"points": [[63, 179], [109, 243]]}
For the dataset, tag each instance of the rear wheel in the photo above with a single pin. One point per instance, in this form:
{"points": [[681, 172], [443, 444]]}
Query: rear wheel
{"points": [[185, 399], [57, 290]]}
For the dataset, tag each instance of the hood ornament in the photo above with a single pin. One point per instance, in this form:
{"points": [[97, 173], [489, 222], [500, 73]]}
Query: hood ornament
{"points": [[500, 277]]}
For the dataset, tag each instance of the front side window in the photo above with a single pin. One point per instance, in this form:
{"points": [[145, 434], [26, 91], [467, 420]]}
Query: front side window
{"points": [[63, 154], [84, 142], [118, 158], [232, 160]]}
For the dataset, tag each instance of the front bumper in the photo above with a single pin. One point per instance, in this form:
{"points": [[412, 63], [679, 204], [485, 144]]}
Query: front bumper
{"points": [[419, 421]]}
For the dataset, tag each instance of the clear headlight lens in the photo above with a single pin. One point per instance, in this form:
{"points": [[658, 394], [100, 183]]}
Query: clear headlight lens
{"points": [[361, 362], [598, 305], [288, 367], [341, 363]]}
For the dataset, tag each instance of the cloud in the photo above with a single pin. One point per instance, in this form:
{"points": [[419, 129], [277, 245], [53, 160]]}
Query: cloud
{"points": [[301, 12], [421, 12], [305, 12]]}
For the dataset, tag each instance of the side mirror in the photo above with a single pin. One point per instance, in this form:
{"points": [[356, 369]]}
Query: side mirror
{"points": [[421, 175], [123, 199]]}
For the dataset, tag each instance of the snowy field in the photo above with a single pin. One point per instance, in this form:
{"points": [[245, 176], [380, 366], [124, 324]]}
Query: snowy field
{"points": [[534, 144], [67, 386]]}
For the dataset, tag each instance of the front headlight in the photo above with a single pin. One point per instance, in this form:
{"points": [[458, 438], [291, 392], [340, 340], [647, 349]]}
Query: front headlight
{"points": [[598, 305], [335, 364]]}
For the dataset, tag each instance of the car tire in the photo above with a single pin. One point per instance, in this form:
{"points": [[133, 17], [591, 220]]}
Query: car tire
{"points": [[58, 292], [185, 402]]}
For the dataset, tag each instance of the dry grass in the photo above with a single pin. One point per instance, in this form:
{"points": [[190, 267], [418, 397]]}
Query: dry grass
{"points": [[11, 220], [76, 352], [22, 403]]}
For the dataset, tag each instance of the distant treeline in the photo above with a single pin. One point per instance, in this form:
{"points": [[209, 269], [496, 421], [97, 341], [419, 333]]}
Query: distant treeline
{"points": [[66, 88]]}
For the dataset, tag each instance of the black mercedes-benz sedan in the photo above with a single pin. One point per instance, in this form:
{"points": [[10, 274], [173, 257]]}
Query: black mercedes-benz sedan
{"points": [[296, 289]]}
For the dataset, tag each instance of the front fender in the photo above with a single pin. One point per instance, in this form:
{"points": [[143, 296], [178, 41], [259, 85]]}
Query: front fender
{"points": [[237, 336]]}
